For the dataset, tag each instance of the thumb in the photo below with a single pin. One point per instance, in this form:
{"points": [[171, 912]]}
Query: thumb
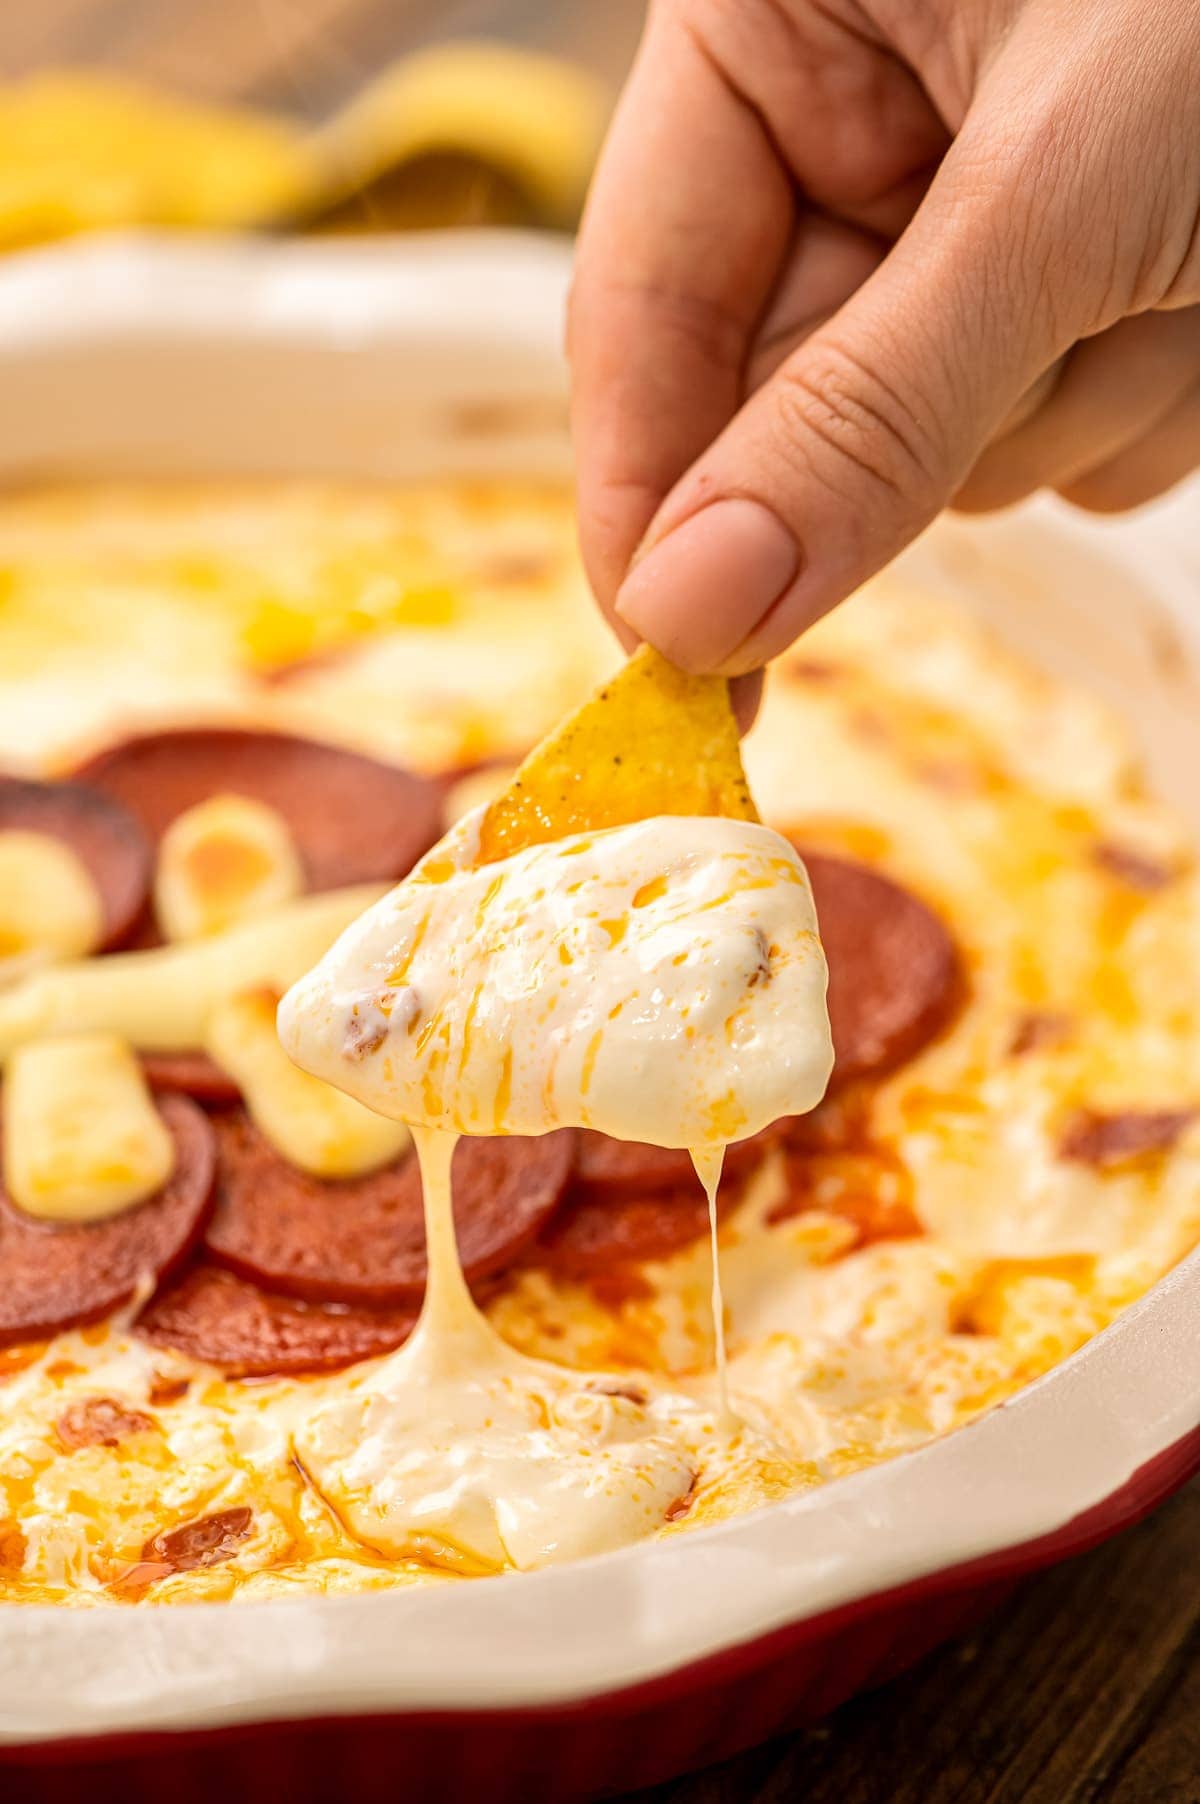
{"points": [[862, 435]]}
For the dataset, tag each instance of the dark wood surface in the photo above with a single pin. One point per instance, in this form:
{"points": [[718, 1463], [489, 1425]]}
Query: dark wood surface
{"points": [[1085, 1689]]}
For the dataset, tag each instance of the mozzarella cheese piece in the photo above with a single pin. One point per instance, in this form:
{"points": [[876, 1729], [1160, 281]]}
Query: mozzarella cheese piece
{"points": [[310, 1123], [660, 982], [160, 1001], [49, 903], [82, 1138], [225, 860]]}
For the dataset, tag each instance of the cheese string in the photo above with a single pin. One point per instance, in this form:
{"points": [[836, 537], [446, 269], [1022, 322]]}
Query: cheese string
{"points": [[708, 1162], [449, 1316]]}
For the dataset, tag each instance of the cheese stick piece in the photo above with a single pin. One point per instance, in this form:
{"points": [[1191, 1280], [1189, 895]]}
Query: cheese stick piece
{"points": [[310, 1123], [49, 902], [82, 1138], [225, 860], [160, 1001]]}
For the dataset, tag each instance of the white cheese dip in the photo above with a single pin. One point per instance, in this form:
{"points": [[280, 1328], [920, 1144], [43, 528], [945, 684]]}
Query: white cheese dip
{"points": [[659, 982]]}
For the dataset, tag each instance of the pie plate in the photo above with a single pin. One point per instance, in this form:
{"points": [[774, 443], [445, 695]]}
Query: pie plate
{"points": [[440, 355]]}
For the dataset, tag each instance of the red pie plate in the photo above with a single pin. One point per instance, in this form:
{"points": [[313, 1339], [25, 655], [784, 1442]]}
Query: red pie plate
{"points": [[615, 1672]]}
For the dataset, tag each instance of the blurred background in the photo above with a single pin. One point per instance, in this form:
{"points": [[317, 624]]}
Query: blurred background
{"points": [[311, 115]]}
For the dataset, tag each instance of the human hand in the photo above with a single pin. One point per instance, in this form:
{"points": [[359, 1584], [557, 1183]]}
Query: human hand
{"points": [[847, 261]]}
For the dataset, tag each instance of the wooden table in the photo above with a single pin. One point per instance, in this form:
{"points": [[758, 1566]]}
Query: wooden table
{"points": [[1086, 1688]]}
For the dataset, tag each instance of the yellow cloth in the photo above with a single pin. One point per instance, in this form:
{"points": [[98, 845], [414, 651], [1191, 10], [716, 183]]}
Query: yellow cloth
{"points": [[463, 133]]}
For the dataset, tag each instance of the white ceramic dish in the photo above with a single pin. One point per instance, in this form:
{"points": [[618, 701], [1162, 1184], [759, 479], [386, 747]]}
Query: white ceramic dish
{"points": [[443, 354]]}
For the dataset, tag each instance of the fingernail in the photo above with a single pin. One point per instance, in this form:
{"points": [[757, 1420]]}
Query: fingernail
{"points": [[703, 589]]}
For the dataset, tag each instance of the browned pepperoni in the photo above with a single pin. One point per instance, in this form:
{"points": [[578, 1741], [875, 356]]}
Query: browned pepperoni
{"points": [[100, 1422], [55, 1277], [592, 1235], [894, 974], [13, 1548], [362, 1240], [102, 834], [212, 1315], [674, 1512], [606, 1168], [1132, 868], [1037, 1030], [204, 1542], [1106, 1141], [354, 819], [164, 1389], [192, 1072]]}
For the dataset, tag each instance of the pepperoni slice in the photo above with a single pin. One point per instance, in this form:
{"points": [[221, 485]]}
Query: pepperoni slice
{"points": [[59, 1277], [607, 1169], [192, 1072], [1107, 1141], [593, 1235], [100, 1422], [212, 1315], [204, 1542], [102, 834], [894, 973], [362, 1240], [354, 819]]}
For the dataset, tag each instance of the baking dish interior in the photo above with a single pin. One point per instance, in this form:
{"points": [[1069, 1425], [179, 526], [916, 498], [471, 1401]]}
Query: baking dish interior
{"points": [[443, 356]]}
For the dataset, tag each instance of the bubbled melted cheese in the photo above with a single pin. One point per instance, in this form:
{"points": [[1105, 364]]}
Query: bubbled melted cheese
{"points": [[462, 1451]]}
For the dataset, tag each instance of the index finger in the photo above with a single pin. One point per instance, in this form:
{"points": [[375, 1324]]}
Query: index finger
{"points": [[687, 224]]}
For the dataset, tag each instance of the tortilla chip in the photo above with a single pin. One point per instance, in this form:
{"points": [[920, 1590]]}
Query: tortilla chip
{"points": [[82, 151], [464, 132], [652, 741]]}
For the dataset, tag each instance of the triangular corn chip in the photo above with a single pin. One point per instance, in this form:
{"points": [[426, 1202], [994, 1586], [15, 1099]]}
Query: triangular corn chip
{"points": [[530, 124], [652, 741], [460, 133], [82, 151]]}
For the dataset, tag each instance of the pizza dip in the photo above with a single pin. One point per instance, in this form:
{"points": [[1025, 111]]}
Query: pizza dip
{"points": [[637, 1144]]}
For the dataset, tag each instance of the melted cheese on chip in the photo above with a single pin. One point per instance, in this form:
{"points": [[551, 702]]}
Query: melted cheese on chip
{"points": [[660, 982], [82, 1138]]}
